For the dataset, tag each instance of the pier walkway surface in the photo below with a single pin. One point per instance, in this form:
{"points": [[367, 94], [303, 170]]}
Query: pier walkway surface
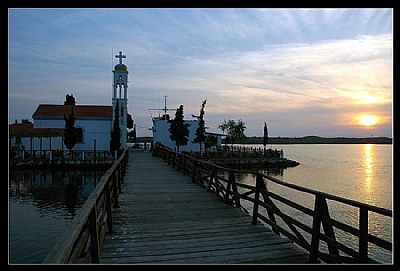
{"points": [[165, 218]]}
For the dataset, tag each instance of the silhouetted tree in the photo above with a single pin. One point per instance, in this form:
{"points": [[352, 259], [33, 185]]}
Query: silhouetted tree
{"points": [[132, 134], [179, 129], [129, 121], [129, 125], [235, 130], [200, 131], [70, 130], [115, 142], [265, 138], [69, 100]]}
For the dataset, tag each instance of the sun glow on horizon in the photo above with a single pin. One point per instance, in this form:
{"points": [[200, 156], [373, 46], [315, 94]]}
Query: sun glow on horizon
{"points": [[368, 120]]}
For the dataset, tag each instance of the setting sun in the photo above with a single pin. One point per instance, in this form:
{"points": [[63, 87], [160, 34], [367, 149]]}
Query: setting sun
{"points": [[368, 120]]}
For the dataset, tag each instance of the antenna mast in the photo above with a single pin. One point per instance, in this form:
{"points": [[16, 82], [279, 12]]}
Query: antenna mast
{"points": [[165, 109], [165, 105], [112, 64]]}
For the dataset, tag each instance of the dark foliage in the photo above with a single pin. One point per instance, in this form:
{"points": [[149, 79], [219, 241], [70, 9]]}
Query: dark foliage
{"points": [[200, 131], [69, 100], [265, 138], [70, 130], [115, 142], [235, 131], [179, 129]]}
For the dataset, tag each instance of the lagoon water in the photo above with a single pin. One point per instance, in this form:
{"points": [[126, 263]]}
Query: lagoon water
{"points": [[41, 204], [361, 172]]}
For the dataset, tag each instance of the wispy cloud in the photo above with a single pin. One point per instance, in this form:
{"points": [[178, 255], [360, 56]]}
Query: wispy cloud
{"points": [[254, 64]]}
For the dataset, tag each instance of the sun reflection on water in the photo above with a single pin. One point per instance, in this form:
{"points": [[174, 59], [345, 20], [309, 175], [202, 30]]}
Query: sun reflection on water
{"points": [[369, 169]]}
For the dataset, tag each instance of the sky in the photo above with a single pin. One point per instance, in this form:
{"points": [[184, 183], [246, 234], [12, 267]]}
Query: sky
{"points": [[323, 72]]}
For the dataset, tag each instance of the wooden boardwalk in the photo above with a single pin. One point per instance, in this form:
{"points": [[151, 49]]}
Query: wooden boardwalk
{"points": [[165, 218]]}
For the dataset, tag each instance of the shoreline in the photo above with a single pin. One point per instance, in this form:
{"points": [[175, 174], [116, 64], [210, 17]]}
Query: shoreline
{"points": [[317, 140], [301, 140], [252, 162]]}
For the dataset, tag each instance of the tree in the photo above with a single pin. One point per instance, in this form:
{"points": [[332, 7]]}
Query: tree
{"points": [[179, 129], [129, 121], [235, 130], [115, 142], [70, 130], [69, 100], [265, 139], [129, 125], [223, 127], [132, 134], [200, 131]]}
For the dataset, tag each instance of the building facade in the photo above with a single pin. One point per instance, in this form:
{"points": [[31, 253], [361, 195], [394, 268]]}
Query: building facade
{"points": [[93, 123], [161, 135]]}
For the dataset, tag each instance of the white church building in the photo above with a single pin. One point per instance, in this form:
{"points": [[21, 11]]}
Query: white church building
{"points": [[93, 123]]}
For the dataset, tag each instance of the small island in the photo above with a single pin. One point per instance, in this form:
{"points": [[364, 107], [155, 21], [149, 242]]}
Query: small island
{"points": [[241, 157]]}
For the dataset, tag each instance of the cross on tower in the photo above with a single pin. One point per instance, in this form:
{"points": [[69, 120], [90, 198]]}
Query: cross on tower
{"points": [[120, 56]]}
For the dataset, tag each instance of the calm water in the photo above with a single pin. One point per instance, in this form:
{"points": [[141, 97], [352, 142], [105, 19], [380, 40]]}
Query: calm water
{"points": [[361, 172], [41, 204]]}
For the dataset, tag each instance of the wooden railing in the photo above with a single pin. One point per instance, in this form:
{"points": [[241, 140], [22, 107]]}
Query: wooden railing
{"points": [[323, 246], [84, 238], [54, 157]]}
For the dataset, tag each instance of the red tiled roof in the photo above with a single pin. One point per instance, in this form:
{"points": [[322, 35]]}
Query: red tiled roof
{"points": [[20, 127], [80, 111]]}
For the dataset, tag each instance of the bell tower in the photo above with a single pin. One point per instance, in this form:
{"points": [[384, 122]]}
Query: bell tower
{"points": [[120, 94]]}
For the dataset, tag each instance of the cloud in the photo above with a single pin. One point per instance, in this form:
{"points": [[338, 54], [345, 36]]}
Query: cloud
{"points": [[256, 64], [305, 71]]}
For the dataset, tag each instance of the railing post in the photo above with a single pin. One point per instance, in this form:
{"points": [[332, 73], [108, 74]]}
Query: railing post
{"points": [[94, 237], [328, 228], [231, 179], [235, 194], [118, 176], [363, 238], [268, 201], [115, 188], [259, 179], [213, 174], [108, 208], [126, 161], [316, 229]]}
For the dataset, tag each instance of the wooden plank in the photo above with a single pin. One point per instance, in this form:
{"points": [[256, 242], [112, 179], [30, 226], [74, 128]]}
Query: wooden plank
{"points": [[166, 218], [190, 248], [254, 254]]}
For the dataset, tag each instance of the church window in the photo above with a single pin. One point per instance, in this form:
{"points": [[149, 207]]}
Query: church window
{"points": [[79, 135]]}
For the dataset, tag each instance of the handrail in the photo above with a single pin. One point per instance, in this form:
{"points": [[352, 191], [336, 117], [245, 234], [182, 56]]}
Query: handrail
{"points": [[83, 239], [60, 157], [232, 192]]}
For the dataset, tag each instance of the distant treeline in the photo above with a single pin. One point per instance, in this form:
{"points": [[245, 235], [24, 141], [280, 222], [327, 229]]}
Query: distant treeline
{"points": [[306, 140], [319, 140]]}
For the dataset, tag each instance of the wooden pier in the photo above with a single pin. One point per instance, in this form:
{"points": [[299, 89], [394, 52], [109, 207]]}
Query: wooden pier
{"points": [[163, 207], [165, 218]]}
